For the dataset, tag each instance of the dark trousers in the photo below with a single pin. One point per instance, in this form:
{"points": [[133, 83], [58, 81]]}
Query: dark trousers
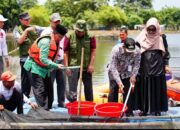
{"points": [[43, 91], [58, 74], [87, 81], [25, 80], [16, 101], [113, 94]]}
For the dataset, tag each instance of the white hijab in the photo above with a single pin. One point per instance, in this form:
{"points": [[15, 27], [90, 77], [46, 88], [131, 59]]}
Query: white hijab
{"points": [[151, 41]]}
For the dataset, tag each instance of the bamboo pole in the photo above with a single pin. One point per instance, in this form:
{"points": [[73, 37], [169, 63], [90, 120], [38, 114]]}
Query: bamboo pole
{"points": [[80, 80]]}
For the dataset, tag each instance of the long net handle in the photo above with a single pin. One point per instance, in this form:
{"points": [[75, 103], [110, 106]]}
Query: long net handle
{"points": [[80, 78], [127, 98]]}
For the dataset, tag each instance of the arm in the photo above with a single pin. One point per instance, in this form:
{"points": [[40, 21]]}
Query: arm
{"points": [[166, 57], [20, 38], [93, 55], [44, 51], [135, 68], [114, 64], [5, 50]]}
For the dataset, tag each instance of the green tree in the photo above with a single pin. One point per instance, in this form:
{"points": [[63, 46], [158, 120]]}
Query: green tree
{"points": [[111, 16], [27, 4], [10, 9], [134, 20], [39, 16], [146, 14]]}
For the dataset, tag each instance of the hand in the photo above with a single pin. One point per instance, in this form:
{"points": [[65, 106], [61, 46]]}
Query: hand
{"points": [[30, 29], [33, 105], [1, 107], [60, 66], [168, 70], [133, 80], [90, 69], [121, 87], [132, 90]]}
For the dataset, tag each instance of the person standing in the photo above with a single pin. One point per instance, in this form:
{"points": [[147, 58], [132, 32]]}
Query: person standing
{"points": [[74, 41], [123, 35], [42, 55], [3, 45], [25, 35], [122, 71], [151, 89], [57, 73], [11, 96]]}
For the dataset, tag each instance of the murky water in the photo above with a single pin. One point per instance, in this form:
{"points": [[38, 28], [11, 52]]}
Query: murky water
{"points": [[104, 47]]}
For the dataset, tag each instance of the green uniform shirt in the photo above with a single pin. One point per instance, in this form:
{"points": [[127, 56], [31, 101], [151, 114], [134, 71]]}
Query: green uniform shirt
{"points": [[30, 65]]}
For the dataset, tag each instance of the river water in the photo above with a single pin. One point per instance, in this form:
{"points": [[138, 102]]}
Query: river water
{"points": [[104, 47]]}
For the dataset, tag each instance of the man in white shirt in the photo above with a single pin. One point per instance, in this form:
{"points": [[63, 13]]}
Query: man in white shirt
{"points": [[3, 45], [57, 74], [11, 96]]}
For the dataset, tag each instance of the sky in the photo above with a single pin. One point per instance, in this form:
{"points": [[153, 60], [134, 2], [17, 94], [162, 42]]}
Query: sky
{"points": [[157, 4]]}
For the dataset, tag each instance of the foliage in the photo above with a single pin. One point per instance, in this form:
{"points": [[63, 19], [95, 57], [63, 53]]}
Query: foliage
{"points": [[111, 16], [134, 20], [97, 13], [147, 14], [27, 4], [10, 9], [39, 16]]}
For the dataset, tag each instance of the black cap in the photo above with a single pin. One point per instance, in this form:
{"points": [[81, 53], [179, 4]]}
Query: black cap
{"points": [[60, 29], [24, 15], [130, 45]]}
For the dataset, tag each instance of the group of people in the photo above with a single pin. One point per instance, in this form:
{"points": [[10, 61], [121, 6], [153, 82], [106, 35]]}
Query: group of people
{"points": [[44, 51], [141, 64]]}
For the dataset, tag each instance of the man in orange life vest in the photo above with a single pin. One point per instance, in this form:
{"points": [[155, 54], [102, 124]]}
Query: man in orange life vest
{"points": [[42, 55]]}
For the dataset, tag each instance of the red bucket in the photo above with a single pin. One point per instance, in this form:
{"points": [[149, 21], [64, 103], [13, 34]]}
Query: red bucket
{"points": [[109, 109], [86, 108]]}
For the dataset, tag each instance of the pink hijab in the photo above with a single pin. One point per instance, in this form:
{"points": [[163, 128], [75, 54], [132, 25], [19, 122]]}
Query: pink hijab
{"points": [[151, 41]]}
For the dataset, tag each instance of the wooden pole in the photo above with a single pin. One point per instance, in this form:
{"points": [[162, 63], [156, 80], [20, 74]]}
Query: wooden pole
{"points": [[80, 80]]}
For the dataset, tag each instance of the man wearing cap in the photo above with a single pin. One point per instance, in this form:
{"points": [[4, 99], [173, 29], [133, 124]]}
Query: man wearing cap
{"points": [[122, 71], [3, 45], [11, 96], [123, 35], [42, 57], [57, 74], [25, 35], [73, 43]]}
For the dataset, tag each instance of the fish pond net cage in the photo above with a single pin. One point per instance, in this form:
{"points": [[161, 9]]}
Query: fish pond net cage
{"points": [[42, 119]]}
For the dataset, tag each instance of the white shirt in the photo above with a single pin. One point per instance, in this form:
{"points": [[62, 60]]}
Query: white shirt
{"points": [[60, 55], [7, 93], [3, 45]]}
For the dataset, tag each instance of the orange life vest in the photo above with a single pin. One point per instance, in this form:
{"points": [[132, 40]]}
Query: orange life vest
{"points": [[34, 51]]}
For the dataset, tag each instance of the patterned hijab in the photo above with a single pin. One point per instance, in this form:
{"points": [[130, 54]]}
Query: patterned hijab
{"points": [[151, 41]]}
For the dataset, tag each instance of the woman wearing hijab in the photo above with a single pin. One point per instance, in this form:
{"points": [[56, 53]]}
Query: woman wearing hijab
{"points": [[150, 90]]}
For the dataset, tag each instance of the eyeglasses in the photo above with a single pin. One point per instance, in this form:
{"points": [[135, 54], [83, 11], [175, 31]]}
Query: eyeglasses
{"points": [[151, 29], [26, 19]]}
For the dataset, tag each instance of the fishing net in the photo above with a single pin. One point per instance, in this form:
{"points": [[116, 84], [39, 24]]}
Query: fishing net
{"points": [[72, 82]]}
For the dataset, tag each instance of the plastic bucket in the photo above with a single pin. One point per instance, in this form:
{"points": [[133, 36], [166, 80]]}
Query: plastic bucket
{"points": [[109, 109], [86, 108]]}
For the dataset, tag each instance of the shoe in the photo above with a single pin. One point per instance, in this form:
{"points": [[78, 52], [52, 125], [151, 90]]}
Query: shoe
{"points": [[157, 113], [61, 105], [142, 113], [129, 114]]}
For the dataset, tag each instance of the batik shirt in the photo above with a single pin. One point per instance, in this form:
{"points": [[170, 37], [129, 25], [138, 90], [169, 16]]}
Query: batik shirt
{"points": [[123, 65]]}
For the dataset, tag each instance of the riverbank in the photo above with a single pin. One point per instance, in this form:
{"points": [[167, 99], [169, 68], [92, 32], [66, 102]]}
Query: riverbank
{"points": [[105, 33]]}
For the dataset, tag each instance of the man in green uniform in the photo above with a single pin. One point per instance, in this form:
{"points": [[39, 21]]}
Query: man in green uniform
{"points": [[74, 41], [25, 35]]}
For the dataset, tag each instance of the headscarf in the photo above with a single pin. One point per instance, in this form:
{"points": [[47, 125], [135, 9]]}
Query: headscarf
{"points": [[151, 41]]}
